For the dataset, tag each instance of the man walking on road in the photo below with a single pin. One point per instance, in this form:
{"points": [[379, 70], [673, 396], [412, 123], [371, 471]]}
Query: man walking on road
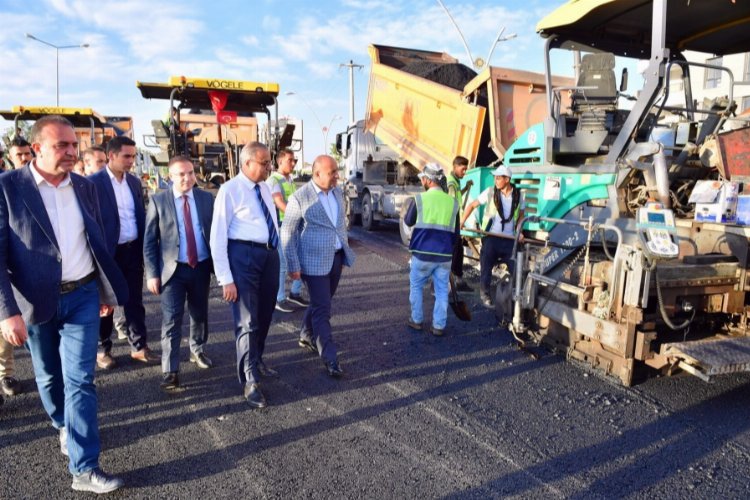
{"points": [[20, 155], [244, 246], [282, 187], [55, 272], [123, 214], [316, 247], [434, 217], [178, 265]]}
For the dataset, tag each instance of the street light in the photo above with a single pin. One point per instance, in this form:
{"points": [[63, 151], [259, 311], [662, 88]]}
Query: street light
{"points": [[328, 129], [323, 129], [57, 57]]}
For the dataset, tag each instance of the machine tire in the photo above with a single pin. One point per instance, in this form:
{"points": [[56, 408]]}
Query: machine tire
{"points": [[504, 298], [404, 230], [351, 218], [368, 218]]}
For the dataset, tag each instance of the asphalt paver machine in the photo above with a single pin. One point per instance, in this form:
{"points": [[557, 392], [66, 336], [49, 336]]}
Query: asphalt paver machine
{"points": [[209, 120], [615, 270]]}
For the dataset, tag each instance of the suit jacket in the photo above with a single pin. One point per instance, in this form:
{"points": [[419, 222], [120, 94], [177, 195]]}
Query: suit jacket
{"points": [[108, 206], [309, 237], [161, 244], [30, 259]]}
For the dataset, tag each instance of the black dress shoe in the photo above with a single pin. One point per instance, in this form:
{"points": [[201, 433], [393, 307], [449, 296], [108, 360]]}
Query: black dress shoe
{"points": [[265, 371], [307, 344], [254, 397], [334, 370], [170, 381]]}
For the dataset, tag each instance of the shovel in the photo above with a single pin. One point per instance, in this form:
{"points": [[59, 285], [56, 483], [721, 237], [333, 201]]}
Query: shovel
{"points": [[460, 309]]}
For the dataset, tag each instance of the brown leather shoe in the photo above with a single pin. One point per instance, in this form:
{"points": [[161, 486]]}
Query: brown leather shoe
{"points": [[145, 356], [105, 361]]}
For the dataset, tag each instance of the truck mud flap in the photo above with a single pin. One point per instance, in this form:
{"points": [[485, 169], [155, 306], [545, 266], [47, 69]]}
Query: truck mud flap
{"points": [[710, 357]]}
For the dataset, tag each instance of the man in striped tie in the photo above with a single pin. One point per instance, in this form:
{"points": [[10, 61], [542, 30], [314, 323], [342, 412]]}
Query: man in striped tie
{"points": [[244, 241]]}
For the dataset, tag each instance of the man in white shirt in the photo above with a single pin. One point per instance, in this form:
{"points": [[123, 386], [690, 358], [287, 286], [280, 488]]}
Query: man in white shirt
{"points": [[124, 218], [55, 272], [244, 246], [503, 208]]}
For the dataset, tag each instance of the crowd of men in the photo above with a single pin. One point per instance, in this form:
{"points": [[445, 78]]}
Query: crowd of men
{"points": [[84, 229], [90, 238]]}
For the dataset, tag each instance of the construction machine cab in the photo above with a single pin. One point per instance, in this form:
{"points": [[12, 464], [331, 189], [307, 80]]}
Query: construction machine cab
{"points": [[209, 120], [92, 128]]}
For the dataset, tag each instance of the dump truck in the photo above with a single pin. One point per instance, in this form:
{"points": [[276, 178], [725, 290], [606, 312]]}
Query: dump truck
{"points": [[209, 120], [92, 128], [619, 269], [425, 107]]}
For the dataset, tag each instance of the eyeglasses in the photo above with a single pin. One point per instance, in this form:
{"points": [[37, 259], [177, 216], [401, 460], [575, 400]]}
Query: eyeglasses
{"points": [[265, 163]]}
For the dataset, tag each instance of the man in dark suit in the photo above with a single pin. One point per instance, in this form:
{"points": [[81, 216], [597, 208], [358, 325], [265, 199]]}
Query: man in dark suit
{"points": [[55, 272], [316, 247], [124, 216], [178, 265]]}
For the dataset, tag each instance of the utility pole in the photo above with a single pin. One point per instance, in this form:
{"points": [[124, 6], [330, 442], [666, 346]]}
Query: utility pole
{"points": [[351, 65]]}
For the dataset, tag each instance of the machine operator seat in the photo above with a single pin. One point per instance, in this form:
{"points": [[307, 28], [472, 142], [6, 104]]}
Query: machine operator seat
{"points": [[599, 95]]}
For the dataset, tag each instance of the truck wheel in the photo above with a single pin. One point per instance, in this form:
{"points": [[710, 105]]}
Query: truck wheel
{"points": [[351, 218], [403, 229], [368, 218]]}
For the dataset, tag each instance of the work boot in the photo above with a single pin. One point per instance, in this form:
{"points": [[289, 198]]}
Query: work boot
{"points": [[486, 299]]}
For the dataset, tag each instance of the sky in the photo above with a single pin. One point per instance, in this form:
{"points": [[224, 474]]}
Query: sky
{"points": [[300, 45]]}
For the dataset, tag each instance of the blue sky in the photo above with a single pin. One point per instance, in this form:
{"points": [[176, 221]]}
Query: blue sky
{"points": [[298, 44]]}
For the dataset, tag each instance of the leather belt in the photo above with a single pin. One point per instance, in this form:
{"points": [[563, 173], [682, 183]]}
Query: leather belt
{"points": [[127, 244], [70, 286], [255, 244]]}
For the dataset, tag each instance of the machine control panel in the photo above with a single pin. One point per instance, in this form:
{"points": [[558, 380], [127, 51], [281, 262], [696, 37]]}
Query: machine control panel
{"points": [[656, 227]]}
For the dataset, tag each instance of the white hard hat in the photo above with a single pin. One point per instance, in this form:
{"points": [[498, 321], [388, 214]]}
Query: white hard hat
{"points": [[502, 170], [432, 171]]}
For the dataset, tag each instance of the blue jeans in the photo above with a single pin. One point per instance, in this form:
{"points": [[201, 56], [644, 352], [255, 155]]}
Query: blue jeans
{"points": [[63, 352], [296, 284], [421, 272]]}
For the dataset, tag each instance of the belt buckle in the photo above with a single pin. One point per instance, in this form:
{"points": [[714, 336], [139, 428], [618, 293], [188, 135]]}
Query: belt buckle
{"points": [[268, 245]]}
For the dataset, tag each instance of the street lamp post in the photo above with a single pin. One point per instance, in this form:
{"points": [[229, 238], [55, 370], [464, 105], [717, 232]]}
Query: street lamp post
{"points": [[57, 59], [323, 129]]}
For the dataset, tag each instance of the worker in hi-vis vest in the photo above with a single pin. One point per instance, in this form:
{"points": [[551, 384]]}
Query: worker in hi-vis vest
{"points": [[434, 216], [460, 166], [282, 186], [504, 206]]}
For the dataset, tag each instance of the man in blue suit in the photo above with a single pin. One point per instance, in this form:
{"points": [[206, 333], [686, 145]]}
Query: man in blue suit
{"points": [[178, 265], [55, 272], [124, 216], [316, 248]]}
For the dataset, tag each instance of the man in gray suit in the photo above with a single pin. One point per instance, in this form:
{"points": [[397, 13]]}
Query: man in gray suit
{"points": [[316, 248], [178, 265]]}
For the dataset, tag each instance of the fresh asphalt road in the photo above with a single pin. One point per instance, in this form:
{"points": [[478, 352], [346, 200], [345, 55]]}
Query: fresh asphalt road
{"points": [[463, 416]]}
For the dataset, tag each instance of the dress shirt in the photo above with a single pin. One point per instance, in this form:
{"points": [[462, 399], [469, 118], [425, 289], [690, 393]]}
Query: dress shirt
{"points": [[125, 209], [200, 243], [64, 213], [238, 216], [328, 200]]}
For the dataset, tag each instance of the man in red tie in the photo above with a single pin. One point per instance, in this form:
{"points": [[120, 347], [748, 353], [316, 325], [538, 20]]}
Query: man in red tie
{"points": [[178, 265]]}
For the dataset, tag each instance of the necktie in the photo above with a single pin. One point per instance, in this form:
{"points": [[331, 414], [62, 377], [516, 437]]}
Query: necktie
{"points": [[192, 248], [273, 237]]}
